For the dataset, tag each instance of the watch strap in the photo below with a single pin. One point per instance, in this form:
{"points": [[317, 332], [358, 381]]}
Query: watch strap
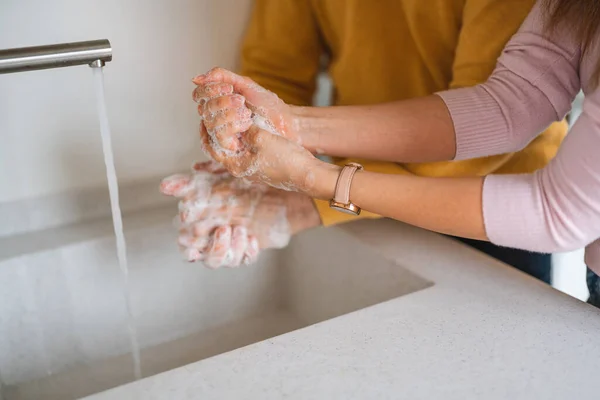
{"points": [[344, 182]]}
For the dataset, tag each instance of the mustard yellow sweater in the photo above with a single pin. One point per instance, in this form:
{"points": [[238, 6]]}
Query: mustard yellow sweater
{"points": [[386, 50]]}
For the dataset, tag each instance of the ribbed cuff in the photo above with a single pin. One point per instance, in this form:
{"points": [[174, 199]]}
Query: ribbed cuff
{"points": [[510, 213], [481, 129]]}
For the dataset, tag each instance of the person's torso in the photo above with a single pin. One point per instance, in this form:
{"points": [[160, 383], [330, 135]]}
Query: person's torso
{"points": [[387, 50]]}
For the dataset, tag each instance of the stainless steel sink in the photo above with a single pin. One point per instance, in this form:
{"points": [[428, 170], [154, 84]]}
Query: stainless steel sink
{"points": [[63, 328]]}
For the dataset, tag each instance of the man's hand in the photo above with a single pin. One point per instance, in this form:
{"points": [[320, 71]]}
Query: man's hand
{"points": [[225, 221]]}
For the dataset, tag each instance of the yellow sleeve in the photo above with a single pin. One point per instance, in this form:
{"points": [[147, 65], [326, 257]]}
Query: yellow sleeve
{"points": [[487, 25], [282, 49], [332, 217]]}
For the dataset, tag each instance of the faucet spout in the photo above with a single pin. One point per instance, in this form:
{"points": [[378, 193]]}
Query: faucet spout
{"points": [[94, 53]]}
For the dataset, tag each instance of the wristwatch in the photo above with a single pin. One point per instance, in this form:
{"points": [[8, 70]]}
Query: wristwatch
{"points": [[341, 199]]}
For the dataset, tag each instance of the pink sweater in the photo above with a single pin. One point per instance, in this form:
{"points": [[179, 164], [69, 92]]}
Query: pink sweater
{"points": [[536, 79]]}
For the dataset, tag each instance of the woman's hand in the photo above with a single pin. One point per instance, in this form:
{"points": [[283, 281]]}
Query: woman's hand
{"points": [[264, 157], [253, 134], [220, 89]]}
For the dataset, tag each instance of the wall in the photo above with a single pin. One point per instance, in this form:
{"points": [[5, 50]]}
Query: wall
{"points": [[568, 274], [49, 139]]}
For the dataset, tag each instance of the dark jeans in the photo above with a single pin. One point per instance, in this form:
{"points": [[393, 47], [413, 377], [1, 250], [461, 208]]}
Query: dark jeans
{"points": [[593, 284], [537, 265]]}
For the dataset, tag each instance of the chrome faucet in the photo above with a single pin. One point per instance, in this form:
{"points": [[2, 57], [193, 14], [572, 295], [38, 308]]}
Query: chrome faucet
{"points": [[94, 53]]}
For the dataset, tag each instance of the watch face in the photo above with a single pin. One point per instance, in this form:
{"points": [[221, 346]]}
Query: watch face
{"points": [[344, 210]]}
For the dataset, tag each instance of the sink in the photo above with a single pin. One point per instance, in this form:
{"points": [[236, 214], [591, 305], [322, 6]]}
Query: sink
{"points": [[63, 323]]}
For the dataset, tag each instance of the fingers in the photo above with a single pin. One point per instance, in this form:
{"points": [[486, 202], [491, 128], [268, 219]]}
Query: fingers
{"points": [[228, 246], [209, 166], [213, 89], [192, 255], [205, 200], [219, 252], [226, 138], [218, 104], [231, 247], [239, 244], [181, 185], [190, 214], [206, 174], [176, 185], [254, 93], [225, 128], [252, 251], [239, 83], [202, 208], [237, 162], [212, 148], [225, 116], [187, 241], [219, 246], [206, 145]]}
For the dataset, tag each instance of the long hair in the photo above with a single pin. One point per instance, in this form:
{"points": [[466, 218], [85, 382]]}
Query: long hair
{"points": [[582, 18]]}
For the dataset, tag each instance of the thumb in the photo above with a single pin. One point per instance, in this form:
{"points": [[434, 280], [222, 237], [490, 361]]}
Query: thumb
{"points": [[241, 85], [176, 185], [210, 166], [255, 137]]}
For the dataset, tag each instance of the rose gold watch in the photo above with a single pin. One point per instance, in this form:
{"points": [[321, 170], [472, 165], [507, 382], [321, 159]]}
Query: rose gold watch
{"points": [[341, 199]]}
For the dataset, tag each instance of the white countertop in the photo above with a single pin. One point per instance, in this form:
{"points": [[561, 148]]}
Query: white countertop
{"points": [[483, 331]]}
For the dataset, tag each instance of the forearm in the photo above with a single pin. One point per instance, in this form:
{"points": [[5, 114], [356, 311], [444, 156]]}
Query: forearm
{"points": [[447, 205], [301, 212], [532, 86], [415, 130]]}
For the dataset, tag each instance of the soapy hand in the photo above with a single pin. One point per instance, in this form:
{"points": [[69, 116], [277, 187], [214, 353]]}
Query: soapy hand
{"points": [[228, 102], [251, 132], [225, 221]]}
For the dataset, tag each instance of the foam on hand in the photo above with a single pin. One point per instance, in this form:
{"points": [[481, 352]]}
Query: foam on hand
{"points": [[213, 201], [264, 124]]}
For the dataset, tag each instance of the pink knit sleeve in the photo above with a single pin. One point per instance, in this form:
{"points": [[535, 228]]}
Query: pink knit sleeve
{"points": [[534, 84], [556, 208]]}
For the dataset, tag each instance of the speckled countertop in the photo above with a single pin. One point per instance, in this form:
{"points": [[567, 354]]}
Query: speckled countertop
{"points": [[483, 331]]}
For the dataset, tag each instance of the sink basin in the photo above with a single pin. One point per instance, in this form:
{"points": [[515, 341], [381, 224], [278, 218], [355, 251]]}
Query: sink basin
{"points": [[63, 322]]}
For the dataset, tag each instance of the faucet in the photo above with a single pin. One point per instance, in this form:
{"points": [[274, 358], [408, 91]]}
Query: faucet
{"points": [[94, 53]]}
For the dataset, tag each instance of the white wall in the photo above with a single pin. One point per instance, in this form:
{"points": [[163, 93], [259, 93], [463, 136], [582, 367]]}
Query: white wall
{"points": [[49, 139], [568, 274], [569, 270]]}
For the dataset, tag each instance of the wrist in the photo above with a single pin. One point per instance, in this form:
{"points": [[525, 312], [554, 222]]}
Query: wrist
{"points": [[301, 212], [307, 127], [323, 179]]}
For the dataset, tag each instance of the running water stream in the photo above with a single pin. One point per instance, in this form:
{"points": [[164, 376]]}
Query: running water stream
{"points": [[113, 189]]}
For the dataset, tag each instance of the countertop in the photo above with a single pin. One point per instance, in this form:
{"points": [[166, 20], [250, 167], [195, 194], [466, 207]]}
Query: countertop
{"points": [[482, 331]]}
